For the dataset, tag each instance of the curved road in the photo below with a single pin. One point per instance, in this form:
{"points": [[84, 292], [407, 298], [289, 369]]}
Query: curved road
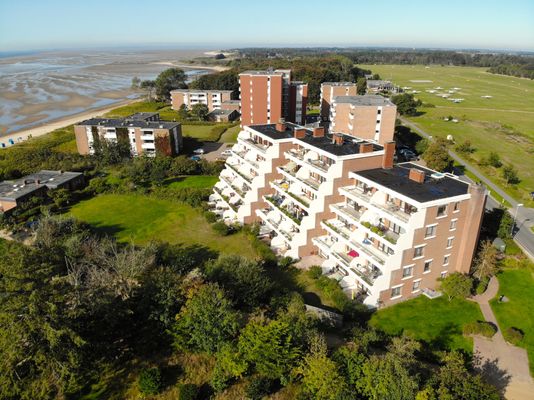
{"points": [[523, 236]]}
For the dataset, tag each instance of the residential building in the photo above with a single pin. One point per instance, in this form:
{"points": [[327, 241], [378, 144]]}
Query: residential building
{"points": [[376, 85], [398, 229], [386, 232], [268, 96], [370, 117], [223, 115], [212, 98], [17, 192], [145, 132], [285, 176], [331, 90]]}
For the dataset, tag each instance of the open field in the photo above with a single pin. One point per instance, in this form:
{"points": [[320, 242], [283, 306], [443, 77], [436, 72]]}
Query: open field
{"points": [[503, 123], [518, 286], [141, 219], [230, 136], [194, 181], [438, 322]]}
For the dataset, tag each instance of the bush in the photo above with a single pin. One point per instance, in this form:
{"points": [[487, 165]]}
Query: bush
{"points": [[514, 335], [187, 391], [286, 262], [480, 328], [482, 285], [150, 381], [211, 217], [221, 228], [258, 388], [315, 272]]}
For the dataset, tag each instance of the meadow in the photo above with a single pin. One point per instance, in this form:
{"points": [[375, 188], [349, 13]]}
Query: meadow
{"points": [[503, 123]]}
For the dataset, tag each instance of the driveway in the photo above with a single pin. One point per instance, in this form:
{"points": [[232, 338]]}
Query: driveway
{"points": [[213, 150]]}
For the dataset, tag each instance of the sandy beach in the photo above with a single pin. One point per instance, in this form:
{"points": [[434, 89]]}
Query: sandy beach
{"points": [[48, 127]]}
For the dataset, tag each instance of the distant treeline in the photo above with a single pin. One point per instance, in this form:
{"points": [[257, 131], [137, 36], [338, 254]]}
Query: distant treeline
{"points": [[522, 71]]}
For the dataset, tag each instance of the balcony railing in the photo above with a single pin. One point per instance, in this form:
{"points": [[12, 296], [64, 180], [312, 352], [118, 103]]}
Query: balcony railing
{"points": [[394, 211], [297, 218], [241, 155], [347, 212], [358, 193], [241, 174], [261, 147], [312, 183], [226, 199], [275, 226], [299, 154], [240, 192]]}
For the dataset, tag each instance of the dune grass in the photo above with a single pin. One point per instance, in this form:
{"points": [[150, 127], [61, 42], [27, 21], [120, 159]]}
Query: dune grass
{"points": [[438, 322], [517, 284], [503, 123], [140, 219]]}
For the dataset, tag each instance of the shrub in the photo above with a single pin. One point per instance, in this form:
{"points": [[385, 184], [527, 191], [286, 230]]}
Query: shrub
{"points": [[221, 228], [480, 328], [482, 285], [150, 381], [211, 217], [258, 388], [514, 335], [187, 391], [286, 262], [315, 272]]}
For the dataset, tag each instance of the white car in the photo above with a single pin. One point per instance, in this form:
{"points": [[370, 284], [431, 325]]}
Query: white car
{"points": [[226, 153], [199, 151]]}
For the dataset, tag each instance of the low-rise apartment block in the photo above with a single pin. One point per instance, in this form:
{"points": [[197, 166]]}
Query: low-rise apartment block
{"points": [[386, 232], [211, 98], [268, 96], [370, 117], [331, 90], [377, 85], [144, 132], [17, 192]]}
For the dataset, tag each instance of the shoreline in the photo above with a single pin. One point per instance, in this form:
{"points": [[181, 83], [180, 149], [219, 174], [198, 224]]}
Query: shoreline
{"points": [[40, 130]]}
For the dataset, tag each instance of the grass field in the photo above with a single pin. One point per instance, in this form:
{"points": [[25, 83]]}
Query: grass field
{"points": [[196, 181], [230, 136], [503, 123], [437, 322], [141, 219], [518, 286]]}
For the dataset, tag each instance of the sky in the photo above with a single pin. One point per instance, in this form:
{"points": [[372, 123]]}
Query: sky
{"points": [[217, 24]]}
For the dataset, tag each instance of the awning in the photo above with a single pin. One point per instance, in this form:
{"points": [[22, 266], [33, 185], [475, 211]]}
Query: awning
{"points": [[353, 253]]}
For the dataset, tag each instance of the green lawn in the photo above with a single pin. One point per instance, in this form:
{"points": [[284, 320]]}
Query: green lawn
{"points": [[141, 219], [196, 181], [438, 322], [518, 286], [503, 123], [230, 136], [164, 110]]}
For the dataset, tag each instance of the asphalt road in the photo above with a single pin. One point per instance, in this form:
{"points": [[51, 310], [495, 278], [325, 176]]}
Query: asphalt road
{"points": [[523, 235]]}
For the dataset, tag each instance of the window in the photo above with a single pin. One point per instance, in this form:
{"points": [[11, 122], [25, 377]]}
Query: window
{"points": [[377, 121], [442, 210], [443, 274], [407, 272], [430, 231], [418, 252], [416, 285], [396, 292], [449, 242], [456, 207], [428, 264], [446, 259], [379, 112], [453, 224]]}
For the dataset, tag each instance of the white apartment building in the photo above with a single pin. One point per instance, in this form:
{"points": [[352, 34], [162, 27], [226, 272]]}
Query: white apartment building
{"points": [[211, 98]]}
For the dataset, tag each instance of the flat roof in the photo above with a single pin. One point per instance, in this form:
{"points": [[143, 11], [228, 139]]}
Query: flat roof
{"points": [[143, 116], [221, 112], [439, 187], [13, 190], [231, 102], [350, 146], [364, 100], [264, 72], [339, 83], [128, 122], [201, 91], [378, 82]]}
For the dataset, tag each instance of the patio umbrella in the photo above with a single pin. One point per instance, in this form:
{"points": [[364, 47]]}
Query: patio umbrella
{"points": [[353, 253]]}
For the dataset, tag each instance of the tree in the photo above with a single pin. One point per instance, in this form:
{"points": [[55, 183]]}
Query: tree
{"points": [[321, 377], [244, 280], [200, 111], [494, 160], [149, 87], [437, 156], [136, 82], [183, 112], [505, 225], [465, 147], [509, 173], [206, 321], [170, 79], [486, 261], [421, 146], [456, 285], [406, 103], [60, 197], [361, 85], [269, 347]]}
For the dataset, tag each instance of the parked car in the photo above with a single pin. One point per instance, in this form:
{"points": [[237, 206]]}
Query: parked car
{"points": [[226, 153], [199, 151], [409, 155], [196, 158]]}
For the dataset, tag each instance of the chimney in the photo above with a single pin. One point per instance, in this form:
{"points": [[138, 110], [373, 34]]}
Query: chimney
{"points": [[299, 133], [417, 175], [318, 132], [337, 139], [281, 125], [389, 152], [366, 147]]}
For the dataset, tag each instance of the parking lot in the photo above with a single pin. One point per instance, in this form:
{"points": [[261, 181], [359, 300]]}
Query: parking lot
{"points": [[213, 150]]}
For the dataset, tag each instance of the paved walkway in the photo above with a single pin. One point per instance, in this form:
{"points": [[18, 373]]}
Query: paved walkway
{"points": [[504, 365]]}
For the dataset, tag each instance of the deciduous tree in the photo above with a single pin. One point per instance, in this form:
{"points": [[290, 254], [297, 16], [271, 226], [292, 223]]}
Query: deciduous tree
{"points": [[456, 285]]}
